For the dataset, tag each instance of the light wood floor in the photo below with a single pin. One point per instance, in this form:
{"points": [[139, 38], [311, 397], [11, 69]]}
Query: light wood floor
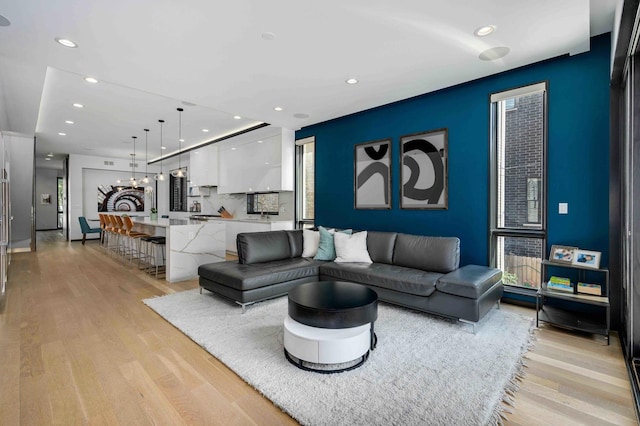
{"points": [[77, 346]]}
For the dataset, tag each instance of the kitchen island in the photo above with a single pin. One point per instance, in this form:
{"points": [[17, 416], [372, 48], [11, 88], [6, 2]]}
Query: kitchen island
{"points": [[190, 243]]}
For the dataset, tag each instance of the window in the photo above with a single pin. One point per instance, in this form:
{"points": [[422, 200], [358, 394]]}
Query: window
{"points": [[177, 193], [518, 173], [305, 182]]}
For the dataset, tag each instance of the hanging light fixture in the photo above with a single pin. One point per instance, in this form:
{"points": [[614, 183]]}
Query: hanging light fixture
{"points": [[179, 173], [161, 175], [134, 184], [145, 180]]}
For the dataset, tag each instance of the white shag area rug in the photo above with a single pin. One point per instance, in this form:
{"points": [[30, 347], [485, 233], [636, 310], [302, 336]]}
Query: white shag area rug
{"points": [[424, 371]]}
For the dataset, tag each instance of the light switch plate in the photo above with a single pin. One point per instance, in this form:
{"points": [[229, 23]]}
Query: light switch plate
{"points": [[563, 208]]}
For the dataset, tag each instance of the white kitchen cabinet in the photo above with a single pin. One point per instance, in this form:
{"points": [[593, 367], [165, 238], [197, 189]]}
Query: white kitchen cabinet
{"points": [[264, 163], [203, 166]]}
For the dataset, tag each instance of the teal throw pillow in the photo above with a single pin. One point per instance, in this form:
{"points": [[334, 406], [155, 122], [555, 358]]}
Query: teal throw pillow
{"points": [[326, 248]]}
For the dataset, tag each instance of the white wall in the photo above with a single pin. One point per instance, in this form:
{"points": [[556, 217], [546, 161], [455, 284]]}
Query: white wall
{"points": [[47, 214], [20, 151], [87, 172]]}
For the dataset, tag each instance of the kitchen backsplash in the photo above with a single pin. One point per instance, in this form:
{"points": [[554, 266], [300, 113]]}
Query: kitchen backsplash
{"points": [[236, 204]]}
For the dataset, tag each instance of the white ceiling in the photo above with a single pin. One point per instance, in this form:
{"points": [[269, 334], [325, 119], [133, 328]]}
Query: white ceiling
{"points": [[210, 58]]}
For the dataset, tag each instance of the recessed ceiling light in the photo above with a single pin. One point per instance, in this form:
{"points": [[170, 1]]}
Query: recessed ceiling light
{"points": [[233, 149], [62, 134], [259, 141], [181, 140], [237, 117], [494, 53], [268, 36], [163, 147], [47, 159], [78, 105], [50, 154], [351, 81], [484, 31], [278, 108], [90, 80], [4, 22], [266, 163], [66, 42], [69, 122], [205, 130]]}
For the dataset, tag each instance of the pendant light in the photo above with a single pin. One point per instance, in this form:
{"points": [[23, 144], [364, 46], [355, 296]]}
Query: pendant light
{"points": [[134, 184], [145, 180], [161, 175], [179, 173]]}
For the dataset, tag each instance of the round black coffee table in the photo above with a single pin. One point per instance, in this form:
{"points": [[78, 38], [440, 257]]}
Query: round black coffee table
{"points": [[330, 322]]}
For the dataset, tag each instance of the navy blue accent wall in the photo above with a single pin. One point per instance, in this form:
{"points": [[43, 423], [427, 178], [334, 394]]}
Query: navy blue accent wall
{"points": [[578, 152]]}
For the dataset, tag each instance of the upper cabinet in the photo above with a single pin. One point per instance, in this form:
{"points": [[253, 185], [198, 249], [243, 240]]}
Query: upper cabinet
{"points": [[203, 166], [262, 160]]}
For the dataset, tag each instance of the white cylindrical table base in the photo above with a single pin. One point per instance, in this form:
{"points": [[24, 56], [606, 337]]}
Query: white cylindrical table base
{"points": [[326, 345]]}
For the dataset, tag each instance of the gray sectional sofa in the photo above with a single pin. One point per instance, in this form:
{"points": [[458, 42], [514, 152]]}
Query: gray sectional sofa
{"points": [[417, 272]]}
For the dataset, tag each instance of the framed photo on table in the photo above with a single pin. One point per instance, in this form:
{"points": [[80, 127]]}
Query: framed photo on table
{"points": [[372, 175], [587, 258], [423, 170], [562, 254]]}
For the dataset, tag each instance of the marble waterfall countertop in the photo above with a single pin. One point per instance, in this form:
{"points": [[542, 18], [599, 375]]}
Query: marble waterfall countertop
{"points": [[190, 243]]}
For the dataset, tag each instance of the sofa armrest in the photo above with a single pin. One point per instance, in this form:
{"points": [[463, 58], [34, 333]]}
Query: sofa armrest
{"points": [[470, 281]]}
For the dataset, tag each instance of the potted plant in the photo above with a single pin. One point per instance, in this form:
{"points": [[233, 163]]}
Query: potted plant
{"points": [[154, 211]]}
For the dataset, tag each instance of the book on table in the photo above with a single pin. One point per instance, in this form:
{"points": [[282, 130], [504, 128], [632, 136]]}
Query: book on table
{"points": [[560, 284], [587, 288]]}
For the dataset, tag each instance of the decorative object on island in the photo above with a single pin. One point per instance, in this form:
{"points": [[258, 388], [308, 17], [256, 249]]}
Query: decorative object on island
{"points": [[154, 210], [179, 172], [372, 175], [134, 183], [145, 180], [587, 258], [160, 176], [561, 254], [224, 213], [423, 170]]}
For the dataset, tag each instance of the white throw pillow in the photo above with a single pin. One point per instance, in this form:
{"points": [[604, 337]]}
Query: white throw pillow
{"points": [[310, 242], [351, 248]]}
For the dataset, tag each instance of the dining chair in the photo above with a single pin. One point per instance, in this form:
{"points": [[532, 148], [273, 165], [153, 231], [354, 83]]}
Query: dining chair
{"points": [[86, 229]]}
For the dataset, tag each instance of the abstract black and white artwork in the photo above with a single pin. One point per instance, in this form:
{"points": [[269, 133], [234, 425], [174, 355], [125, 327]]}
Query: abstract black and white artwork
{"points": [[372, 177], [423, 170]]}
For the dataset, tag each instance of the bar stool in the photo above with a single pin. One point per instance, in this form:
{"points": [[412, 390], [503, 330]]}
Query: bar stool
{"points": [[149, 253], [133, 238], [103, 226], [160, 244], [114, 235]]}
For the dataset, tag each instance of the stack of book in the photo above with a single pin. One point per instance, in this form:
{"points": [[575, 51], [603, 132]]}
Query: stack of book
{"points": [[560, 284]]}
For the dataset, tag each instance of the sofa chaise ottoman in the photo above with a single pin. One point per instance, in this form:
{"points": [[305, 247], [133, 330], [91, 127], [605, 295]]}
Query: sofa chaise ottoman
{"points": [[418, 272]]}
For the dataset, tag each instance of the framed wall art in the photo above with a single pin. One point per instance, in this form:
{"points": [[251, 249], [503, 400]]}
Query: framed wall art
{"points": [[120, 199], [372, 175], [423, 170], [587, 258], [562, 254]]}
